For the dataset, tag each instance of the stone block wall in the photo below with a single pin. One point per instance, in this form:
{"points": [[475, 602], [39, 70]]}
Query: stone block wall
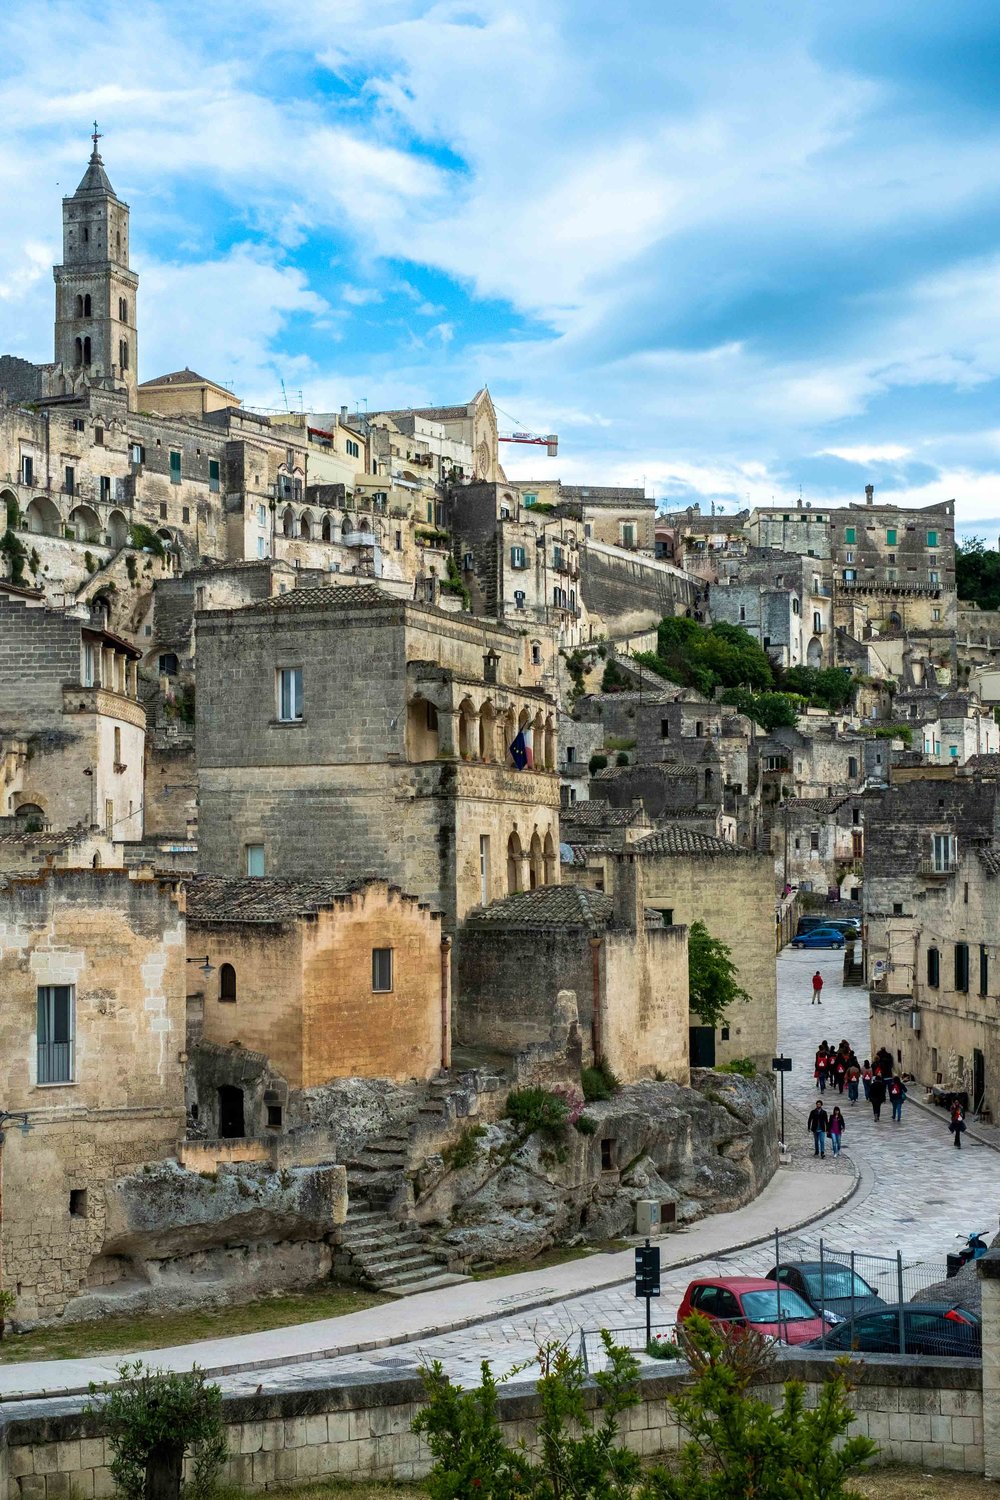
{"points": [[353, 1428]]}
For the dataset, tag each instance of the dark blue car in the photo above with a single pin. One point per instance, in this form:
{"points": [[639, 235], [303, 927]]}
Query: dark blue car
{"points": [[820, 937]]}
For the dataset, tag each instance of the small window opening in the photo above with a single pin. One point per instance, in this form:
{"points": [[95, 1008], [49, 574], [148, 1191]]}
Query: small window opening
{"points": [[607, 1155], [78, 1203]]}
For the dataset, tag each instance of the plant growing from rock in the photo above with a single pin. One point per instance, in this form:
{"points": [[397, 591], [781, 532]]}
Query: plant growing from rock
{"points": [[599, 1083], [154, 1420], [7, 1301], [537, 1109], [463, 1152]]}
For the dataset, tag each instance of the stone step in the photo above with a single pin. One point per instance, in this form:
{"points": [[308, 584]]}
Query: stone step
{"points": [[429, 1284], [377, 1241], [378, 1161], [407, 1258], [387, 1146]]}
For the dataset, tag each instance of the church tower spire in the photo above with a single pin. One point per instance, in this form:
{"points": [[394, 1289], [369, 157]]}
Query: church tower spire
{"points": [[95, 328]]}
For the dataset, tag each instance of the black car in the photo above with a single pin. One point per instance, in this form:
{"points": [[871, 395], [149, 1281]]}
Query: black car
{"points": [[928, 1328], [827, 1287]]}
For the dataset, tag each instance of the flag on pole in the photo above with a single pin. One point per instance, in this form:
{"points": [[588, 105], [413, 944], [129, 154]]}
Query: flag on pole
{"points": [[522, 749]]}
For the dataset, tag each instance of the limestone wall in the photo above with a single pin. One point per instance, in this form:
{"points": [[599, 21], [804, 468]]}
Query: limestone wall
{"points": [[354, 1428]]}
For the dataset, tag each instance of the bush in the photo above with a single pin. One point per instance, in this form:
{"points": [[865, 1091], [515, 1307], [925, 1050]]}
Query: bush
{"points": [[614, 679], [144, 538], [537, 1109], [745, 1066], [15, 552], [154, 1420], [664, 1346], [586, 1126], [621, 759], [465, 1150], [599, 1083], [597, 763]]}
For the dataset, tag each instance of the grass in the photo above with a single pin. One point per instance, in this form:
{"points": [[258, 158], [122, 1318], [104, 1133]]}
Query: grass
{"points": [[123, 1335], [549, 1258], [332, 1489]]}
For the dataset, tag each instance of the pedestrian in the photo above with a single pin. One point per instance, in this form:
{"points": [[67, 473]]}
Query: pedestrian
{"points": [[836, 1129], [853, 1075], [897, 1093], [885, 1063], [877, 1095], [820, 1071], [818, 1125], [957, 1123], [817, 998], [866, 1079], [840, 1074]]}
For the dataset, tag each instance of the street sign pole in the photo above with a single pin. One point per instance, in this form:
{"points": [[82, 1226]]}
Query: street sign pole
{"points": [[647, 1280], [781, 1065]]}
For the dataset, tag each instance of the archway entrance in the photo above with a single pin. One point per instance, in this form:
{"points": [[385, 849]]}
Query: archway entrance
{"points": [[231, 1122]]}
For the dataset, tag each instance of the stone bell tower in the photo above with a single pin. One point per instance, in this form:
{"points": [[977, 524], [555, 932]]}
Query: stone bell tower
{"points": [[95, 290]]}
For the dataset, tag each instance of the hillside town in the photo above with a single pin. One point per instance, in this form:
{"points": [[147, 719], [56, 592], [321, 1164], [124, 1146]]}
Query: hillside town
{"points": [[351, 788]]}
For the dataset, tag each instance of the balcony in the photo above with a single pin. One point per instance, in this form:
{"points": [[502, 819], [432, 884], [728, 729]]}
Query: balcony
{"points": [[936, 869], [358, 539]]}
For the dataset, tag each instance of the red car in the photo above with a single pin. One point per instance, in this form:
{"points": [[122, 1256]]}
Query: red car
{"points": [[752, 1301]]}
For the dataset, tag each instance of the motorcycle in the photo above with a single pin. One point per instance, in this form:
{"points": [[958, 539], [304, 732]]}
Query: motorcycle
{"points": [[975, 1248]]}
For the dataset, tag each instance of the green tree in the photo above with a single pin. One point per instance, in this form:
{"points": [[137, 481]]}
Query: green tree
{"points": [[769, 710], [156, 1419], [712, 983], [977, 573], [721, 655], [826, 687]]}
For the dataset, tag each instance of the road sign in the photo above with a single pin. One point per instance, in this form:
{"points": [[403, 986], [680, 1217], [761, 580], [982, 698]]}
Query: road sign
{"points": [[781, 1064], [647, 1270]]}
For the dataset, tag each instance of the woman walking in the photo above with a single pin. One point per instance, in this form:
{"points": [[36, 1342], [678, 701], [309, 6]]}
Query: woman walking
{"points": [[877, 1095], [866, 1079], [957, 1123], [853, 1075], [897, 1093], [836, 1129]]}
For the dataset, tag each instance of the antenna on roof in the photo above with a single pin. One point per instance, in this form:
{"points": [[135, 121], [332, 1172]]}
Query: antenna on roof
{"points": [[284, 396]]}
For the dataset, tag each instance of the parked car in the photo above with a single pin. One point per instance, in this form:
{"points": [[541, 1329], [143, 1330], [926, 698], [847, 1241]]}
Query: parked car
{"points": [[928, 1328], [849, 926], [828, 1287], [755, 1302], [820, 937]]}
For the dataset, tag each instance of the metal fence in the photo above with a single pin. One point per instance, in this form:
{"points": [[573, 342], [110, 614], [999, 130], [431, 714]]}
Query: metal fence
{"points": [[870, 1302]]}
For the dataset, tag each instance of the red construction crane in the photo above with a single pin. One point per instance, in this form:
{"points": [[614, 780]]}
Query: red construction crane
{"points": [[550, 442]]}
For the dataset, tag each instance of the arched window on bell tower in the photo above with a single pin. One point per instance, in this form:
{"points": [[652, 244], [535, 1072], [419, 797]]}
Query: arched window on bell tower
{"points": [[87, 309], [86, 351], [123, 353]]}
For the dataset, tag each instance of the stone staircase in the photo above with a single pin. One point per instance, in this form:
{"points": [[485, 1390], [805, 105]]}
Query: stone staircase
{"points": [[390, 1256]]}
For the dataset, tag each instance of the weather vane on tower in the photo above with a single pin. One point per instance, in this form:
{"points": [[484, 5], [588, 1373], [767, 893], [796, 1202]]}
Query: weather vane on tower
{"points": [[95, 137]]}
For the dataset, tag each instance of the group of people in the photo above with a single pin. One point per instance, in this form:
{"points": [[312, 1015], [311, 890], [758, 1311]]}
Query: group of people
{"points": [[841, 1069]]}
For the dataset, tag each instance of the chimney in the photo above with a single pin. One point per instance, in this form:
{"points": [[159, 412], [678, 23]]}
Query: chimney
{"points": [[869, 494], [343, 413], [628, 897]]}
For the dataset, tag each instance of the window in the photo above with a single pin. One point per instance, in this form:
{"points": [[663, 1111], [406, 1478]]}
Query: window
{"points": [[850, 535], [814, 841], [817, 622], [699, 729], [519, 598], [933, 968], [290, 694], [381, 970], [88, 677], [935, 577], [897, 908], [227, 984], [185, 513], [518, 557], [607, 1155], [536, 654], [484, 869], [628, 534], [118, 747], [123, 354], [943, 852], [274, 1115], [122, 310], [261, 547], [667, 913], [529, 500], [953, 751], [962, 967], [664, 729], [105, 488], [856, 815], [984, 969], [56, 1033], [935, 615], [852, 769], [175, 466], [571, 755], [79, 425], [588, 530], [27, 469], [168, 664], [255, 860], [932, 539], [849, 557], [98, 431], [743, 612], [78, 1203], [850, 576], [890, 537], [69, 477], [353, 449]]}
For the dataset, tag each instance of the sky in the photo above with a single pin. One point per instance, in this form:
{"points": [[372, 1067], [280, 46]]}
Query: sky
{"points": [[732, 251]]}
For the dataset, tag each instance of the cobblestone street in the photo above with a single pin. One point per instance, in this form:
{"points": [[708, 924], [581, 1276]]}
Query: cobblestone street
{"points": [[915, 1193]]}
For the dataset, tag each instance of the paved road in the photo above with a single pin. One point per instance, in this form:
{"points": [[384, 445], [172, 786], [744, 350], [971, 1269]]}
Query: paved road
{"points": [[916, 1193]]}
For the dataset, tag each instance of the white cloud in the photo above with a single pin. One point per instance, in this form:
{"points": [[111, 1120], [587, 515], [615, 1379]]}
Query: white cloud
{"points": [[869, 453]]}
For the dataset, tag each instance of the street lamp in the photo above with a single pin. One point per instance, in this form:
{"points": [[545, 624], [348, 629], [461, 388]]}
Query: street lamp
{"points": [[203, 964]]}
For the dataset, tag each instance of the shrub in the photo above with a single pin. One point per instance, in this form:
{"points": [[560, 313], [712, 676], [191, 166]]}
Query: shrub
{"points": [[586, 1126], [14, 550], [614, 679], [465, 1150], [621, 759], [745, 1066], [599, 1083], [664, 1346], [145, 539], [7, 1301], [156, 1419], [537, 1109], [597, 763]]}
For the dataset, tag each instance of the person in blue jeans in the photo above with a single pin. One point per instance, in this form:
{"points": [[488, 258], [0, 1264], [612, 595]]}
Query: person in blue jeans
{"points": [[818, 1126], [836, 1129], [897, 1093]]}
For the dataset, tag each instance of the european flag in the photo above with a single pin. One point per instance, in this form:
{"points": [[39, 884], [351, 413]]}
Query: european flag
{"points": [[519, 750]]}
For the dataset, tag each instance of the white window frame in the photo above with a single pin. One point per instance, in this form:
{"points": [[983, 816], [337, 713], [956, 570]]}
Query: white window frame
{"points": [[484, 869], [251, 859], [289, 695], [47, 1061]]}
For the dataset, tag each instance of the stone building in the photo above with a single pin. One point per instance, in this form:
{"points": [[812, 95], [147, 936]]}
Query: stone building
{"points": [[374, 738], [628, 971], [327, 982], [702, 544], [819, 843], [782, 599], [68, 691], [92, 1032]]}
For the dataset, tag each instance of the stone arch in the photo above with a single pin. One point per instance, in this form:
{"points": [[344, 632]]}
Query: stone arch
{"points": [[43, 517], [346, 524], [508, 729], [326, 529], [118, 529], [549, 857], [306, 526], [514, 858], [487, 731], [536, 867], [422, 739], [468, 738], [86, 523], [814, 653], [10, 511], [895, 619], [30, 812], [288, 521], [227, 984]]}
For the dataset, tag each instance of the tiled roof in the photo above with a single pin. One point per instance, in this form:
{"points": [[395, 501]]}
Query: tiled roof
{"points": [[548, 906], [215, 898], [46, 842], [597, 813], [685, 841], [353, 596], [182, 377], [819, 804], [582, 853], [990, 860]]}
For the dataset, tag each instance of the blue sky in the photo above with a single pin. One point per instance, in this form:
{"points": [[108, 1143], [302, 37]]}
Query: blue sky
{"points": [[728, 249]]}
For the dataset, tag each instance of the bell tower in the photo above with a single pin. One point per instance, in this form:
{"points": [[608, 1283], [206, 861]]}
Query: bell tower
{"points": [[95, 290]]}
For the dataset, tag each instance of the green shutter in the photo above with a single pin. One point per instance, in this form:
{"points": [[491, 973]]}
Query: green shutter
{"points": [[890, 538], [850, 534], [932, 539]]}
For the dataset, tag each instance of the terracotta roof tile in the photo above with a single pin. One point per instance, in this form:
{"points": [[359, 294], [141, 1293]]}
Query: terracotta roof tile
{"points": [[548, 906]]}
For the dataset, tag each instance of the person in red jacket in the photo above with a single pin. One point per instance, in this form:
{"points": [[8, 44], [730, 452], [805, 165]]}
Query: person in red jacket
{"points": [[817, 998]]}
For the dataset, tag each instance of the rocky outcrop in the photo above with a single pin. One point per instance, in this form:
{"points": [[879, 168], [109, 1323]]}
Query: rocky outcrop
{"points": [[707, 1148]]}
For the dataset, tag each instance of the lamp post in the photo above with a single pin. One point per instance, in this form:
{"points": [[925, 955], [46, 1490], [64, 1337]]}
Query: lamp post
{"points": [[204, 965]]}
